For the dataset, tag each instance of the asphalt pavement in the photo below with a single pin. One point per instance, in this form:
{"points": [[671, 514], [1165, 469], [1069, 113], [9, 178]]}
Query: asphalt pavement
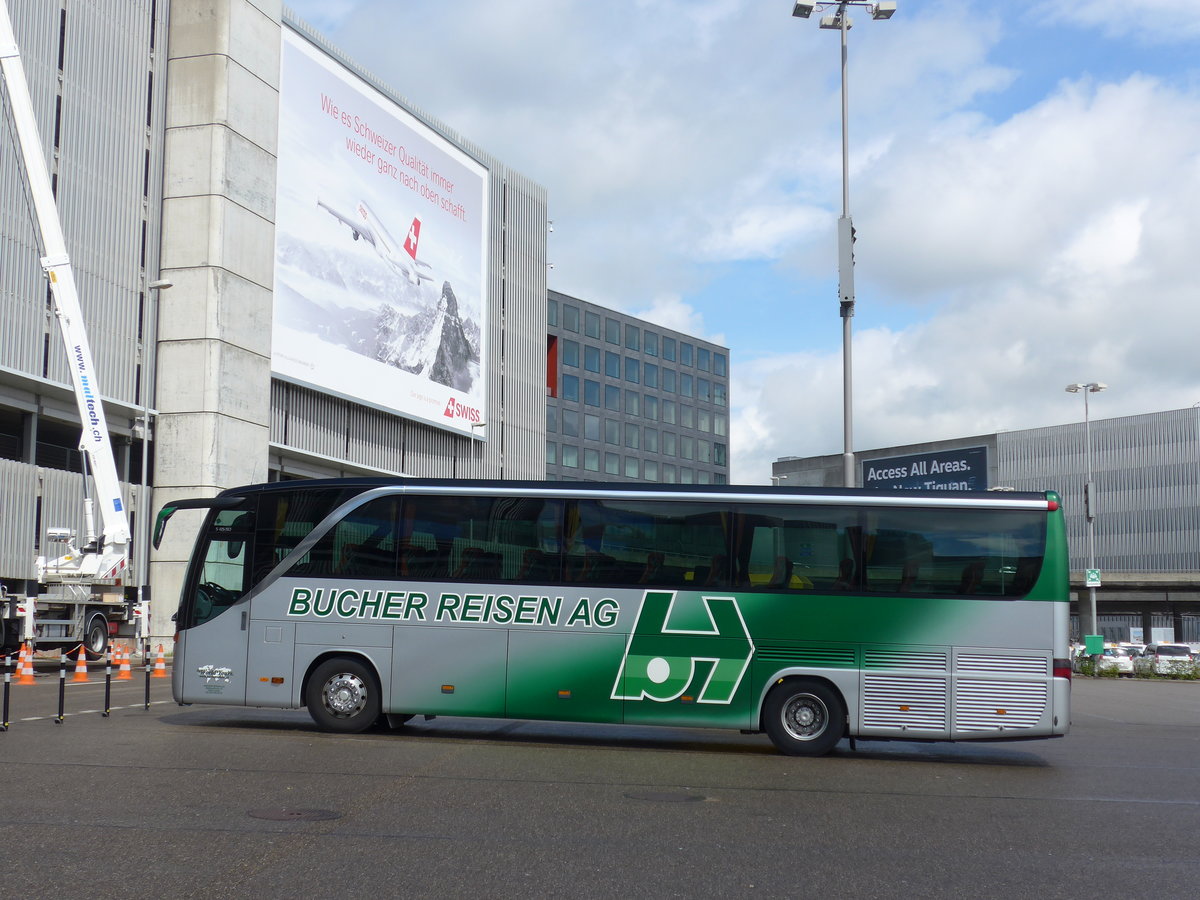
{"points": [[206, 801]]}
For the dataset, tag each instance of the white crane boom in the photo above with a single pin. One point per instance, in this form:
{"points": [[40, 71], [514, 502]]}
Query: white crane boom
{"points": [[94, 441]]}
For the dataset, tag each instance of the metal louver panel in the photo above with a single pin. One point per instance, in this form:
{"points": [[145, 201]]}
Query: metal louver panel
{"points": [[816, 657], [998, 705], [1002, 665], [930, 661], [903, 704]]}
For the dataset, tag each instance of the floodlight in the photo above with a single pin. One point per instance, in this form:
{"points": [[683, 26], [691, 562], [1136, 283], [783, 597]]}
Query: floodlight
{"points": [[803, 10], [885, 9], [835, 22]]}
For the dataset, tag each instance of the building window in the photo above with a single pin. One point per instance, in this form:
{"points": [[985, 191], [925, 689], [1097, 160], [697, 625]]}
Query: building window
{"points": [[551, 418], [612, 364], [612, 331], [612, 431], [551, 453], [591, 392], [570, 387], [570, 318], [668, 380], [719, 365], [612, 464], [650, 440], [591, 427], [632, 435], [685, 475], [633, 370], [591, 324], [720, 425], [685, 384], [718, 478], [703, 477], [552, 312], [668, 349], [650, 375], [633, 403], [570, 353], [719, 394], [570, 423], [650, 343], [703, 420], [685, 353], [668, 473], [668, 410], [591, 460], [612, 397], [650, 470], [720, 454], [668, 443], [702, 359], [687, 447], [591, 359], [633, 337], [632, 467], [570, 456], [703, 389], [687, 416], [703, 451], [650, 407]]}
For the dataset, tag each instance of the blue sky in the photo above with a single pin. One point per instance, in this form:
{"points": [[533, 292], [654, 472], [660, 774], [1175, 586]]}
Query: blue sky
{"points": [[1025, 184]]}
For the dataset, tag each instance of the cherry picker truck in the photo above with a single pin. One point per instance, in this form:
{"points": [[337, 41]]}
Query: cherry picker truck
{"points": [[81, 596]]}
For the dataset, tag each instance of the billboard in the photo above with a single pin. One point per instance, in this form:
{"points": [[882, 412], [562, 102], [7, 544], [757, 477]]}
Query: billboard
{"points": [[945, 470], [380, 249]]}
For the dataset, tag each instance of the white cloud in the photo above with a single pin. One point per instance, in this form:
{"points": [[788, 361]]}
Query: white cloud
{"points": [[1154, 21], [1060, 246]]}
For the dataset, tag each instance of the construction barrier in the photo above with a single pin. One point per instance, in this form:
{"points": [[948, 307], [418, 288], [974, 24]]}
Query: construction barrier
{"points": [[21, 665]]}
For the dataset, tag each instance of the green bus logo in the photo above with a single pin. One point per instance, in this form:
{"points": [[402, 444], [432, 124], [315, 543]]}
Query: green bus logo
{"points": [[660, 662]]}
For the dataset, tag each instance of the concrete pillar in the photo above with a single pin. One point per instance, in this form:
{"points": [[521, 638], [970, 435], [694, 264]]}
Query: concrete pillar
{"points": [[218, 240]]}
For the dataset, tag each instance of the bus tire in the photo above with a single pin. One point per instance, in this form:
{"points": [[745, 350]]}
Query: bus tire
{"points": [[804, 717], [95, 637], [342, 696]]}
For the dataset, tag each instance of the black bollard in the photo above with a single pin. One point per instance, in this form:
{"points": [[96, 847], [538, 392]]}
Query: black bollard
{"points": [[7, 686], [146, 660], [62, 686], [107, 684]]}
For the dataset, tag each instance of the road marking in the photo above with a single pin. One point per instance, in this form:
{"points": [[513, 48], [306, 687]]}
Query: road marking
{"points": [[85, 712]]}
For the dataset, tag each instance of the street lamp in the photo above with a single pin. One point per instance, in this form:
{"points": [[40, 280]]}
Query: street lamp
{"points": [[841, 22], [1089, 492]]}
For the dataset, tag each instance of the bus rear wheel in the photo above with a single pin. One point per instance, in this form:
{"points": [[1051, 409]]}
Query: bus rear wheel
{"points": [[342, 696], [804, 717]]}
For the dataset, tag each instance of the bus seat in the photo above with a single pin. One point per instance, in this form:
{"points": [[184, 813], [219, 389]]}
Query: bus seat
{"points": [[908, 576], [845, 579], [654, 563], [972, 576], [781, 577]]}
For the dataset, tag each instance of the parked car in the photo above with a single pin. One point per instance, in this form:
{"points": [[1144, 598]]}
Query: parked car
{"points": [[1119, 659], [1164, 659]]}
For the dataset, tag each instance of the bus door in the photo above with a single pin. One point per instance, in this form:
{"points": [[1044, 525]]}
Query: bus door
{"points": [[214, 614]]}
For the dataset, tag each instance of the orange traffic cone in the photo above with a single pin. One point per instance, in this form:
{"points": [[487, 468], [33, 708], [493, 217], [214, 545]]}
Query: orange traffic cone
{"points": [[25, 665], [125, 673], [81, 666], [160, 665]]}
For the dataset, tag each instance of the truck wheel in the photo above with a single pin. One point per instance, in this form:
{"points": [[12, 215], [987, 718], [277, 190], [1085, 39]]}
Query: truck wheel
{"points": [[342, 696], [95, 637], [804, 717]]}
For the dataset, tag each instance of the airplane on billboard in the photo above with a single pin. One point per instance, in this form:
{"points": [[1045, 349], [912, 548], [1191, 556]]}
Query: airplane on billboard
{"points": [[401, 257]]}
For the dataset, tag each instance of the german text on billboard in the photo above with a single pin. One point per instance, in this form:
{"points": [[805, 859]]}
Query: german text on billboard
{"points": [[380, 249]]}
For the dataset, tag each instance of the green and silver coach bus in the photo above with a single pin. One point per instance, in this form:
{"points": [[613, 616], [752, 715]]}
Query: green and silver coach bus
{"points": [[810, 614]]}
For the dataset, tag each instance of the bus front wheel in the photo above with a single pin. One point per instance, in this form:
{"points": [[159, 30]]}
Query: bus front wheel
{"points": [[342, 696], [804, 718]]}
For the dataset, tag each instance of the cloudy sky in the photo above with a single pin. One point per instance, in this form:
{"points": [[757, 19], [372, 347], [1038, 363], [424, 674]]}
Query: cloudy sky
{"points": [[1024, 182]]}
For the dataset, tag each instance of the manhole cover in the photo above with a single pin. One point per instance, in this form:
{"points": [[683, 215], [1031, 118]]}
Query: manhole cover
{"points": [[294, 815], [665, 797]]}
